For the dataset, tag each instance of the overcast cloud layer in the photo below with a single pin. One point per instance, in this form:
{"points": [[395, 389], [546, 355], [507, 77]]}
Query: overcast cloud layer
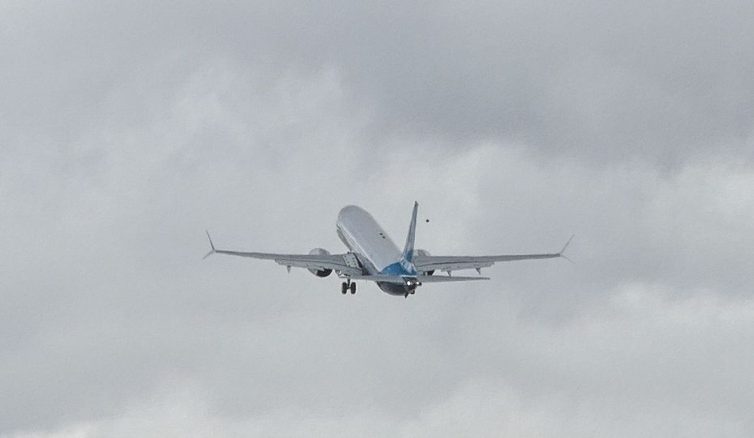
{"points": [[126, 129]]}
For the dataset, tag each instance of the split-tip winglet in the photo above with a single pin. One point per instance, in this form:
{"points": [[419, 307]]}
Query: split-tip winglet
{"points": [[211, 245], [562, 251]]}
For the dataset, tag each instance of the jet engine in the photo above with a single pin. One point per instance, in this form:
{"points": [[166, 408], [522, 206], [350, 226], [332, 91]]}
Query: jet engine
{"points": [[424, 252], [320, 272]]}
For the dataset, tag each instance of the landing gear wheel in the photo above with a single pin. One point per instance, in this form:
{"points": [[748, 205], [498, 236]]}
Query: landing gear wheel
{"points": [[344, 288], [353, 288]]}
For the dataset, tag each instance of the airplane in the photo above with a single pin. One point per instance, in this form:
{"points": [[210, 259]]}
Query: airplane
{"points": [[372, 256]]}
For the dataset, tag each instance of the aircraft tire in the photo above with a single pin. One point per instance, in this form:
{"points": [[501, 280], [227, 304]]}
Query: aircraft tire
{"points": [[353, 288], [344, 288]]}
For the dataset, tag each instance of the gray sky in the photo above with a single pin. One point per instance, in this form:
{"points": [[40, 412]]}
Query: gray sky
{"points": [[128, 128]]}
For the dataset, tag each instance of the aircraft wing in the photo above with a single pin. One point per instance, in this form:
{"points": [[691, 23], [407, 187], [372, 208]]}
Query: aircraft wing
{"points": [[427, 263], [342, 263]]}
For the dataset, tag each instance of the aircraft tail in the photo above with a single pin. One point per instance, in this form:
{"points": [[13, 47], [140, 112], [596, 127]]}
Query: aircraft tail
{"points": [[408, 250]]}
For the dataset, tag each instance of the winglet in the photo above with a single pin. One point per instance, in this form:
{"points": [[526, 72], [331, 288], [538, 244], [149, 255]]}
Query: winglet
{"points": [[211, 245], [408, 250], [562, 251]]}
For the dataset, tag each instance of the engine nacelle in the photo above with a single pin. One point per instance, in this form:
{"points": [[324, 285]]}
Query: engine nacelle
{"points": [[318, 272], [424, 252]]}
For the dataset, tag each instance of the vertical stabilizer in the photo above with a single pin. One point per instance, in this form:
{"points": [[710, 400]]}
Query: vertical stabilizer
{"points": [[408, 250]]}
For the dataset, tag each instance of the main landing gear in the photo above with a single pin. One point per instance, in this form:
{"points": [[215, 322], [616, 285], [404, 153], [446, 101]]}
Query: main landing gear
{"points": [[346, 286]]}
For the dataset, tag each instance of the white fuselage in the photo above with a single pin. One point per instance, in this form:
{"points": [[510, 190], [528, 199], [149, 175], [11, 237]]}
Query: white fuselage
{"points": [[376, 251]]}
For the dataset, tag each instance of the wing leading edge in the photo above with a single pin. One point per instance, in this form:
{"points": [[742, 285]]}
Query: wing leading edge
{"points": [[426, 263]]}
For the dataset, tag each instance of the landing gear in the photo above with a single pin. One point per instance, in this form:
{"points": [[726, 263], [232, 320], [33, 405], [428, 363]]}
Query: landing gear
{"points": [[346, 286]]}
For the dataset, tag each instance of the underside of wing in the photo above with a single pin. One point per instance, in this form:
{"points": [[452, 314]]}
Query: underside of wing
{"points": [[429, 263], [346, 264], [341, 263], [456, 263]]}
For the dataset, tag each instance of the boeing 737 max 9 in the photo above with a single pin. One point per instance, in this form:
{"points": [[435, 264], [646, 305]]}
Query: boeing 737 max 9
{"points": [[374, 257]]}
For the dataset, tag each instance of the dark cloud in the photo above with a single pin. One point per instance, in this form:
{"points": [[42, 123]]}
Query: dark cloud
{"points": [[607, 82], [127, 129]]}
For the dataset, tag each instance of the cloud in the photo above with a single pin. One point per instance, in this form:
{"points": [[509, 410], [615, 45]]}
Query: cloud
{"points": [[127, 130], [604, 82], [642, 364]]}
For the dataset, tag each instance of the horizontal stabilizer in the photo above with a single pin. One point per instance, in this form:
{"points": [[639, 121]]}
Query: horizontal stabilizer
{"points": [[446, 278], [397, 279]]}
